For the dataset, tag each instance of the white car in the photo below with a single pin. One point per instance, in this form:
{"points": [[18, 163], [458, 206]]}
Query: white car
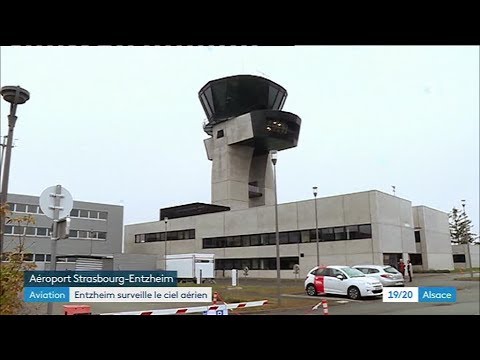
{"points": [[388, 275], [341, 280]]}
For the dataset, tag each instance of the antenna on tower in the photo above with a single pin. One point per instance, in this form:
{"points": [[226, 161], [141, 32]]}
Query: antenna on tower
{"points": [[260, 72]]}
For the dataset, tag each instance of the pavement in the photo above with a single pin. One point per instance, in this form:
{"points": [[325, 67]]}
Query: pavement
{"points": [[468, 301]]}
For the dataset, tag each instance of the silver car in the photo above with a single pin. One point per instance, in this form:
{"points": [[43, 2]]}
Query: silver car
{"points": [[388, 275]]}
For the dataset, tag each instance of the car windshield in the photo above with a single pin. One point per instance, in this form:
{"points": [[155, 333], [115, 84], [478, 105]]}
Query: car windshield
{"points": [[390, 270], [351, 272]]}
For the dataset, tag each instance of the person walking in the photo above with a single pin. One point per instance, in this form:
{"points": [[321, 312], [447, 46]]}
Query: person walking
{"points": [[409, 269], [401, 267]]}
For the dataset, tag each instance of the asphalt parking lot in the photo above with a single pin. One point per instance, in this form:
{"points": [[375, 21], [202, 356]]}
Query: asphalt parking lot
{"points": [[468, 301]]}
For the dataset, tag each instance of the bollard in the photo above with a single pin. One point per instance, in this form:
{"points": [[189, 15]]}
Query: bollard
{"points": [[325, 307]]}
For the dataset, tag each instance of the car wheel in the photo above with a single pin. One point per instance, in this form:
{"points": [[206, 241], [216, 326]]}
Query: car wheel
{"points": [[353, 293], [311, 291]]}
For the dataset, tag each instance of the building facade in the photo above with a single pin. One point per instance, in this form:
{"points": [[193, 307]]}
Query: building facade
{"points": [[368, 227], [460, 256], [95, 229], [432, 239]]}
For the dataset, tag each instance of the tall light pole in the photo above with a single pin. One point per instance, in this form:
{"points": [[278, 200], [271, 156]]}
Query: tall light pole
{"points": [[468, 242], [166, 228], [316, 225], [15, 95], [273, 157]]}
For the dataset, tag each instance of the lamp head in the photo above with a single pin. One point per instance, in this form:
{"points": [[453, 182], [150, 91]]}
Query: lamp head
{"points": [[14, 94], [273, 156]]}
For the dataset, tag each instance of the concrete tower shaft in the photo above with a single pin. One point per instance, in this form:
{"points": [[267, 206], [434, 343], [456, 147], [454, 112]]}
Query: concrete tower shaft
{"points": [[245, 122]]}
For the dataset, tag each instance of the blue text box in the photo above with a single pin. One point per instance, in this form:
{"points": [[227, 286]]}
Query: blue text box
{"points": [[437, 294], [100, 278], [46, 294]]}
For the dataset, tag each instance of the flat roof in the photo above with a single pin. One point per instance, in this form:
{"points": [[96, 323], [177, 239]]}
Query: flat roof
{"points": [[192, 209]]}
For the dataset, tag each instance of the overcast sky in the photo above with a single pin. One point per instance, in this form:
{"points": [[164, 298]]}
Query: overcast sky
{"points": [[123, 125]]}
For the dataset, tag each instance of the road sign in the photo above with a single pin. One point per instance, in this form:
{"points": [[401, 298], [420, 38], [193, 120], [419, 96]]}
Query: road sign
{"points": [[47, 202], [63, 228]]}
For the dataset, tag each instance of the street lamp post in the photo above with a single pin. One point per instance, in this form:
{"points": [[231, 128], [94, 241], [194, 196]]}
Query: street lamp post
{"points": [[273, 157], [15, 95], [316, 224], [166, 227], [468, 243]]}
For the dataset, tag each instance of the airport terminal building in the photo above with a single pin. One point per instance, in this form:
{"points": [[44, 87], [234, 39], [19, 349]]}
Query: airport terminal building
{"points": [[368, 227], [246, 127]]}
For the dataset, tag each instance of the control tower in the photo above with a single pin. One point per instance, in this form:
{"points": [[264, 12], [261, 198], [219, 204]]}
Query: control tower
{"points": [[245, 122]]}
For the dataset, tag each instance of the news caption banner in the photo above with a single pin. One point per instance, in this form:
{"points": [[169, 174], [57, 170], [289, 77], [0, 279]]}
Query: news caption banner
{"points": [[420, 294], [109, 286]]}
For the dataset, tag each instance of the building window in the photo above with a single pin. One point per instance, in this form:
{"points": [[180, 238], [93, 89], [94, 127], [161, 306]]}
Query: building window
{"points": [[294, 237], [234, 241], [220, 134], [392, 259], [352, 232], [255, 240], [75, 213], [263, 239], [11, 206], [283, 238], [18, 230], [32, 209], [140, 238], [340, 233], [42, 231], [84, 213], [8, 229], [417, 236], [286, 263], [27, 257], [207, 243], [291, 237], [159, 236], [21, 208], [30, 230], [93, 214], [73, 234], [459, 258], [40, 257], [365, 231], [416, 259], [327, 234], [152, 237], [103, 215]]}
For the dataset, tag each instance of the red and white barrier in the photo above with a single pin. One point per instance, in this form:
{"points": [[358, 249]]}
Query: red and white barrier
{"points": [[190, 310]]}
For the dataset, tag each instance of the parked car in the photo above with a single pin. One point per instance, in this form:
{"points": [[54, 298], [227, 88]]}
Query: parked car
{"points": [[341, 280], [388, 275]]}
